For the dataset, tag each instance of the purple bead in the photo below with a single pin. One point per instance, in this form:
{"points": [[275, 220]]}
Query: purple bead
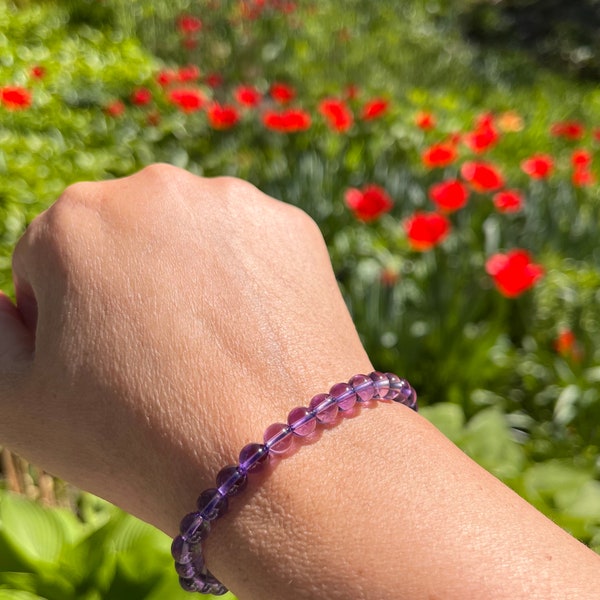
{"points": [[278, 438], [406, 394], [188, 585], [185, 571], [344, 394], [253, 458], [180, 551], [196, 584], [324, 407], [302, 421], [381, 383], [363, 387], [212, 504], [194, 528], [393, 381], [231, 481]]}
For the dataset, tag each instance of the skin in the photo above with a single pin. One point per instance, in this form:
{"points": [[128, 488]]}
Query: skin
{"points": [[163, 321]]}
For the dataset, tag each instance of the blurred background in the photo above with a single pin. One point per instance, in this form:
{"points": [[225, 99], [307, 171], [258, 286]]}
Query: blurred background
{"points": [[447, 150]]}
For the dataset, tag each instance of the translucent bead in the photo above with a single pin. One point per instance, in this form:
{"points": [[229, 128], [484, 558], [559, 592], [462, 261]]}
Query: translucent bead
{"points": [[253, 458], [278, 438], [185, 571], [344, 394], [212, 504], [180, 551], [188, 585], [231, 481], [194, 528], [324, 407], [406, 394], [394, 390], [302, 421], [381, 383], [363, 387], [197, 583]]}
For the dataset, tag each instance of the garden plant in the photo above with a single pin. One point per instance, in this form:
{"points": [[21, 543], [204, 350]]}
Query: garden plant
{"points": [[456, 187]]}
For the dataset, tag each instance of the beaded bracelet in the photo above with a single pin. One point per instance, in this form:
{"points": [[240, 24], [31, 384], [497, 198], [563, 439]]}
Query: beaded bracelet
{"points": [[231, 480]]}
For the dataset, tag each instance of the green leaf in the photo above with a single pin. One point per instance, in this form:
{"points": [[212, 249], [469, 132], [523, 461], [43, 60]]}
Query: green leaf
{"points": [[38, 533], [488, 441], [10, 594], [447, 417]]}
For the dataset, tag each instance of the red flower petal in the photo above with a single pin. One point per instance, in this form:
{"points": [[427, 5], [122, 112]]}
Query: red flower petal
{"points": [[369, 203], [439, 155], [513, 272], [538, 166], [426, 230], [483, 177], [449, 195]]}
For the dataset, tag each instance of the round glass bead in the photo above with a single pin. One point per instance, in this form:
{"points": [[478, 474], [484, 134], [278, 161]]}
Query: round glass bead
{"points": [[194, 527], [212, 504], [344, 394], [231, 481], [363, 387], [328, 413], [302, 421], [186, 571], [180, 551], [278, 438], [188, 585], [406, 394], [381, 383], [253, 458], [395, 385]]}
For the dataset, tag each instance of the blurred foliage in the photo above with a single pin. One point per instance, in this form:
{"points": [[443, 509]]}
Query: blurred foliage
{"points": [[559, 35], [486, 366]]}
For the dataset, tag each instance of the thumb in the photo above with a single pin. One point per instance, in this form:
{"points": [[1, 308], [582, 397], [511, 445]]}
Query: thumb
{"points": [[16, 338]]}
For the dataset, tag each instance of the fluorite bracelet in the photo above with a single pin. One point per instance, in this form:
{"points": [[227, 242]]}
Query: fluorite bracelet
{"points": [[231, 480]]}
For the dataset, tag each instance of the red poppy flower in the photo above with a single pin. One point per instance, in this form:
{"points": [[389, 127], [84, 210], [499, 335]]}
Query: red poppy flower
{"points": [[222, 117], [247, 95], [509, 201], [374, 108], [566, 345], [115, 108], [214, 80], [188, 73], [287, 121], [482, 177], [513, 273], [538, 166], [581, 158], [38, 72], [166, 77], [439, 155], [352, 91], [484, 136], [141, 96], [282, 93], [369, 203], [449, 195], [188, 24], [14, 97], [571, 130], [425, 120], [188, 100], [426, 229], [338, 115], [582, 177]]}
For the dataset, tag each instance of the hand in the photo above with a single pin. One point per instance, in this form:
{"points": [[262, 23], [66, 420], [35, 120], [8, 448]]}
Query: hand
{"points": [[160, 317]]}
